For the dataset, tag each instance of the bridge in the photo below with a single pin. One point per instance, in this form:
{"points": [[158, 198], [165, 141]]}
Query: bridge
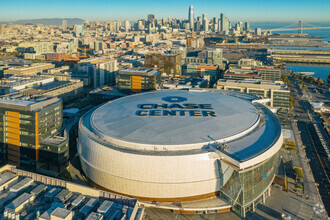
{"points": [[300, 27]]}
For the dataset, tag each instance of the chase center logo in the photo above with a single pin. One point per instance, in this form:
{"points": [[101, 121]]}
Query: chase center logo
{"points": [[175, 108]]}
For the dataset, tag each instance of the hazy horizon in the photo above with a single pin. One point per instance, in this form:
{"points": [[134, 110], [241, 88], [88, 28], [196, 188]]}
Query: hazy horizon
{"points": [[104, 10]]}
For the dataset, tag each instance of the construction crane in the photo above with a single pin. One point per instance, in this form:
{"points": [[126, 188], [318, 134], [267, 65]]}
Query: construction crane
{"points": [[85, 52]]}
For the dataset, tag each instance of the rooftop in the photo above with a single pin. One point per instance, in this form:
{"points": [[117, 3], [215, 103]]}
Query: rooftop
{"points": [[140, 72], [26, 102], [40, 193], [19, 201], [174, 121], [61, 213]]}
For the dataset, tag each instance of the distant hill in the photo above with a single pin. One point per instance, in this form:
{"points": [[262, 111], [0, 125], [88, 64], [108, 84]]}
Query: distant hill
{"points": [[48, 21]]}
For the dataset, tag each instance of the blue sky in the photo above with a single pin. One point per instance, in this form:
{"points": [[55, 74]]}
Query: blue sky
{"points": [[101, 10]]}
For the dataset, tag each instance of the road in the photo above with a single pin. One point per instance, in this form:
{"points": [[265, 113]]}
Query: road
{"points": [[316, 157]]}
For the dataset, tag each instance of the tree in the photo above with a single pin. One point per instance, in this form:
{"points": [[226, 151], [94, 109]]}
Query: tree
{"points": [[319, 81], [304, 87], [291, 101]]}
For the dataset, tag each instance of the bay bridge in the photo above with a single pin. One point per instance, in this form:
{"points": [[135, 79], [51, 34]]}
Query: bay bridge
{"points": [[300, 27]]}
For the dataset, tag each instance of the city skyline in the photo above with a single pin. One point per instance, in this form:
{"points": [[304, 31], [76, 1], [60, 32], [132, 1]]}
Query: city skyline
{"points": [[101, 10]]}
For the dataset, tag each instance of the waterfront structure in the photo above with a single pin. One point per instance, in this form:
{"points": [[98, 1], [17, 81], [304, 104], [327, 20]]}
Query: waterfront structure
{"points": [[138, 80], [277, 92], [169, 64], [174, 146], [271, 74], [26, 121], [33, 69], [191, 17]]}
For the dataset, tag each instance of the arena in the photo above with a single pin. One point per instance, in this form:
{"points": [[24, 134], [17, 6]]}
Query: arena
{"points": [[174, 146]]}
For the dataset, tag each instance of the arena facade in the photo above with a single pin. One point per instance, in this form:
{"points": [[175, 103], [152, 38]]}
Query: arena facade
{"points": [[175, 146]]}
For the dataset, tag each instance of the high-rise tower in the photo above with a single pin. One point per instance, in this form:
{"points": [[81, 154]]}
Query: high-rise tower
{"points": [[64, 25], [191, 17], [205, 23]]}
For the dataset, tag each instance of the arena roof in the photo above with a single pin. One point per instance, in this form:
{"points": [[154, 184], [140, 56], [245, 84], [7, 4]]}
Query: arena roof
{"points": [[119, 119]]}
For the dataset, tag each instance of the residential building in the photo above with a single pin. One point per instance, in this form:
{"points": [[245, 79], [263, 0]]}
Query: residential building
{"points": [[169, 64], [102, 71], [209, 56], [44, 47]]}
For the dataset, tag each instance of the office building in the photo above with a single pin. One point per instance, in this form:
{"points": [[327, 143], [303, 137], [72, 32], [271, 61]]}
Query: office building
{"points": [[247, 27], [151, 18], [277, 92], [98, 46], [33, 69], [224, 23], [208, 56], [165, 146], [64, 25], [195, 70], [235, 73], [191, 17], [271, 74], [169, 64], [205, 23], [26, 122], [78, 30], [127, 26], [258, 31], [138, 80], [245, 63], [215, 25], [17, 83]]}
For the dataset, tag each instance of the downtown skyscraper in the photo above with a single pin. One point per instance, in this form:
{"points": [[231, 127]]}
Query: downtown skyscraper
{"points": [[191, 17]]}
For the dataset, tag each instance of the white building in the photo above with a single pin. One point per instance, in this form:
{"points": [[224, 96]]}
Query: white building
{"points": [[171, 146]]}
